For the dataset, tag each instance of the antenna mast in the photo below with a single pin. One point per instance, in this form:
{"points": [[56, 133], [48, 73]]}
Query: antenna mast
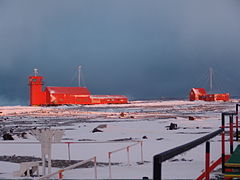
{"points": [[211, 79], [79, 76]]}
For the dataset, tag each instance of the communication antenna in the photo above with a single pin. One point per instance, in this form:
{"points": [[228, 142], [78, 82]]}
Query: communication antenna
{"points": [[35, 72], [211, 79], [79, 76]]}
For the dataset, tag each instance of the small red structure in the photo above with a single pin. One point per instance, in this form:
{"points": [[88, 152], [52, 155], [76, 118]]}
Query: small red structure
{"points": [[201, 94], [67, 95], [197, 94]]}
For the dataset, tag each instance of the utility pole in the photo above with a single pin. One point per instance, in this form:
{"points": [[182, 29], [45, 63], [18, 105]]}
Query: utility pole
{"points": [[211, 79], [79, 76]]}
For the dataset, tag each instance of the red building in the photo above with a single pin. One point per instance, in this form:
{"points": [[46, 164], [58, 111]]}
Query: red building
{"points": [[67, 95], [201, 94], [197, 94]]}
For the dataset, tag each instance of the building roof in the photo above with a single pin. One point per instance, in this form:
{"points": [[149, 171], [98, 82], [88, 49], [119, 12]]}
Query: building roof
{"points": [[199, 90], [68, 90]]}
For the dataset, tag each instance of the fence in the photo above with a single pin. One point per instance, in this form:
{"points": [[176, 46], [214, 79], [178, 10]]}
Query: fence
{"points": [[60, 172], [127, 148]]}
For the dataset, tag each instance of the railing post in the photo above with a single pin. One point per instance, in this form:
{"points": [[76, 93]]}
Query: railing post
{"points": [[207, 160], [109, 165], [231, 133], [128, 156], [69, 155], [223, 143], [237, 122], [60, 175], [141, 143], [157, 168], [95, 167]]}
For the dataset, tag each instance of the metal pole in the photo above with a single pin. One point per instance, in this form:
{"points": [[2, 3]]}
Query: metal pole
{"points": [[223, 143], [69, 155], [207, 160], [141, 143], [157, 168], [109, 165], [95, 167], [128, 156], [211, 79], [237, 122], [79, 76], [231, 133]]}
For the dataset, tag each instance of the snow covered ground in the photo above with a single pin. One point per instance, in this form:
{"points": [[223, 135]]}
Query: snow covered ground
{"points": [[121, 125]]}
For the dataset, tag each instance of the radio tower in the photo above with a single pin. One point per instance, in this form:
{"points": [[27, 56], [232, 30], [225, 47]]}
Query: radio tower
{"points": [[210, 79], [79, 76]]}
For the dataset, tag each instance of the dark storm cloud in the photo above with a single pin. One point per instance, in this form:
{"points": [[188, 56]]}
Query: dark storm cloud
{"points": [[144, 49]]}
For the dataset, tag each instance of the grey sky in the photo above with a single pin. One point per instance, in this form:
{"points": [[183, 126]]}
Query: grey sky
{"points": [[143, 49]]}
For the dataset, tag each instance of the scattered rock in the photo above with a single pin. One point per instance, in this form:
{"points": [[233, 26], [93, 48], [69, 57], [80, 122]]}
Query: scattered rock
{"points": [[172, 126], [191, 118], [24, 135], [122, 114], [96, 130], [7, 136]]}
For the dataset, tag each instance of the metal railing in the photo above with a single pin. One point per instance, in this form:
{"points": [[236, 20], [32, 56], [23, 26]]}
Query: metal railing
{"points": [[127, 148], [160, 158], [60, 172]]}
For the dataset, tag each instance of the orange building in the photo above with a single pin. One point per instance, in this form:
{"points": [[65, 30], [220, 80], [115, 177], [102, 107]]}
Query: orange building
{"points": [[201, 94], [67, 95]]}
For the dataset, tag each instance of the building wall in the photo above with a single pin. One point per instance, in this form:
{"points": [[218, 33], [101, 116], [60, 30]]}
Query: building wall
{"points": [[200, 94], [37, 96], [59, 99]]}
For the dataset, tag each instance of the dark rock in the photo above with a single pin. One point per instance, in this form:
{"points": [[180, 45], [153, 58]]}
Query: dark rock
{"points": [[96, 130], [132, 117], [144, 137], [191, 118], [24, 135], [122, 114], [7, 136], [145, 177], [173, 126]]}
